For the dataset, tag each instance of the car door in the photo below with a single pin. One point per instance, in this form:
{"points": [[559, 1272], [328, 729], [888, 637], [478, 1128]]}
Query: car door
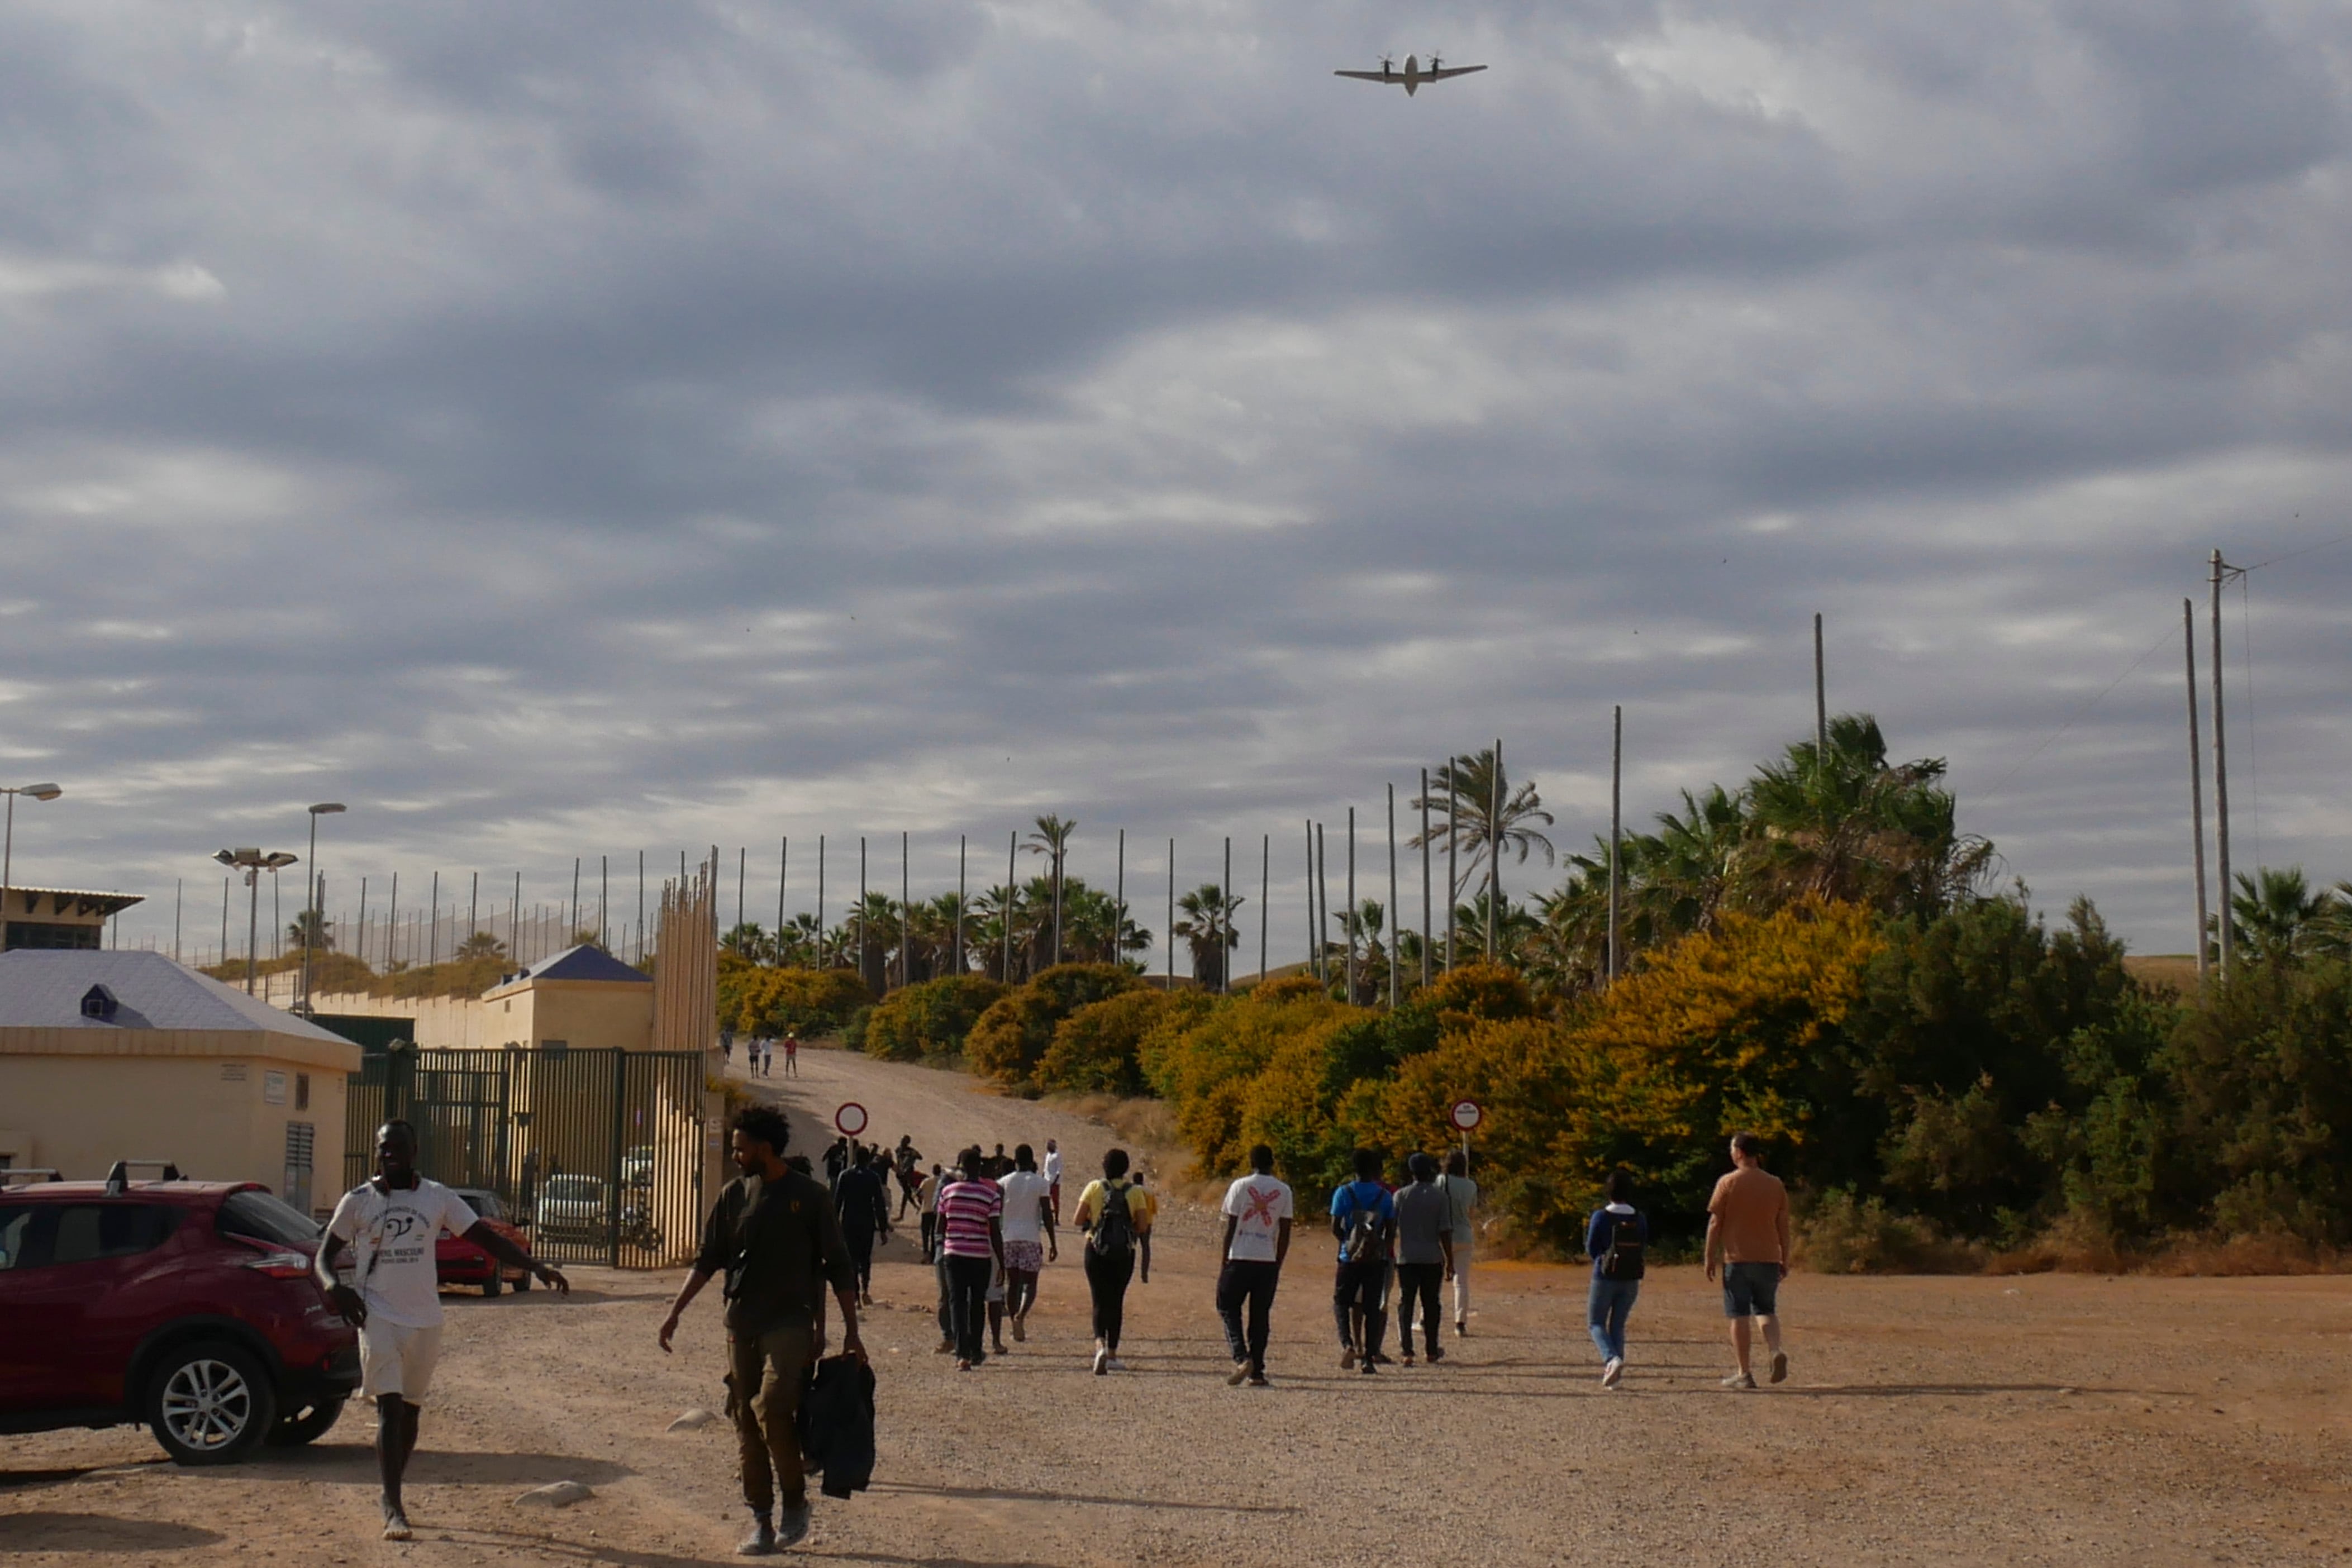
{"points": [[27, 1377], [99, 1293]]}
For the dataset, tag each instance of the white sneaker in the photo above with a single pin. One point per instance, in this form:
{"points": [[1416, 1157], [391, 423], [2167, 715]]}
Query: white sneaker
{"points": [[1610, 1373], [1102, 1361]]}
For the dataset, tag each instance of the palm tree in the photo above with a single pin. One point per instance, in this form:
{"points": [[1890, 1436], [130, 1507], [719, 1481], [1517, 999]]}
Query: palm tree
{"points": [[1365, 925], [313, 922], [2278, 917], [1851, 825], [1052, 839], [750, 940], [481, 945], [1000, 917], [1206, 926], [1462, 792]]}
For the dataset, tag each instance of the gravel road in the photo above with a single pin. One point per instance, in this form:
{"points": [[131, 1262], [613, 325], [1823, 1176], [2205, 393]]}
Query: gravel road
{"points": [[2050, 1419]]}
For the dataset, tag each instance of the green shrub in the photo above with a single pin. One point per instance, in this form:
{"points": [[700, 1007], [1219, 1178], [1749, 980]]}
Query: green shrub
{"points": [[928, 1020], [1840, 1234], [1095, 1048], [1011, 1037], [767, 1001]]}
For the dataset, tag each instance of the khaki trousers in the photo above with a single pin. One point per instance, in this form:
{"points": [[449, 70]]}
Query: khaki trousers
{"points": [[764, 1379]]}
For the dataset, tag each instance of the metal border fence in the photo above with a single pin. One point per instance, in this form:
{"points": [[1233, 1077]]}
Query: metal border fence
{"points": [[599, 1154]]}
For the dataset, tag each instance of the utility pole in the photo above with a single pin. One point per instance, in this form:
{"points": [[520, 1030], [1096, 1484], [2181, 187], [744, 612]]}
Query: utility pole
{"points": [[1011, 857], [1314, 965], [1428, 933], [820, 900], [1172, 915], [2221, 782], [2196, 776], [1226, 946], [1392, 921], [742, 868], [1265, 898], [905, 912], [1616, 826], [963, 851], [1323, 906], [864, 937], [783, 869], [1494, 857], [1349, 924], [1820, 702], [514, 915], [1118, 904]]}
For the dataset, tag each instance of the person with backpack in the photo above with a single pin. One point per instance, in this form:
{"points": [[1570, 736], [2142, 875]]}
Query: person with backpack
{"points": [[1363, 1215], [1424, 1254], [1115, 1214], [1616, 1240]]}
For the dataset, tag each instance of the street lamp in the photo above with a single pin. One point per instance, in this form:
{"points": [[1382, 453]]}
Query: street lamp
{"points": [[8, 853], [255, 862], [311, 921]]}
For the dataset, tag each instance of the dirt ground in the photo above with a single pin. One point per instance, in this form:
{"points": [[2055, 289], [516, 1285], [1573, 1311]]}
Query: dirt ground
{"points": [[2057, 1419]]}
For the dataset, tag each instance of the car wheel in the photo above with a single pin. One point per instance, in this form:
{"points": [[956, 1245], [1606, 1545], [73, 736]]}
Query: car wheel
{"points": [[209, 1402], [307, 1426], [491, 1283], [524, 1282]]}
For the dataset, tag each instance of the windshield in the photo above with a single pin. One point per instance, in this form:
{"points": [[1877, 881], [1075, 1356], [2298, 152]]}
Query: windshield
{"points": [[485, 1204], [574, 1187], [265, 1218]]}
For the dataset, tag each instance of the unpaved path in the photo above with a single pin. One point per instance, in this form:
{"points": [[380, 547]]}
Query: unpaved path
{"points": [[2055, 1419]]}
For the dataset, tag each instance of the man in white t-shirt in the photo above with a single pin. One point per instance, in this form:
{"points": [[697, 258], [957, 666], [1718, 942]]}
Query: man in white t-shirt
{"points": [[1029, 1239], [1054, 1178], [1257, 1211], [390, 1224], [1462, 1203]]}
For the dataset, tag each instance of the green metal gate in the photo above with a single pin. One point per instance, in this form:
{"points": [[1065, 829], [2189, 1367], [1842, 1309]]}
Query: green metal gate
{"points": [[598, 1153]]}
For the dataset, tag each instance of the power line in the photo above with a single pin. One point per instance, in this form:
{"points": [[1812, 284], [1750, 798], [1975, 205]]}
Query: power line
{"points": [[2080, 712]]}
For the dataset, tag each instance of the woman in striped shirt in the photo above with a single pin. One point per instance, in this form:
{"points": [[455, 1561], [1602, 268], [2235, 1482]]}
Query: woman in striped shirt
{"points": [[972, 1236]]}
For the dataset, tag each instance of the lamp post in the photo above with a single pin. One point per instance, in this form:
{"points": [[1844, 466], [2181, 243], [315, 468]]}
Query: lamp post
{"points": [[8, 853], [311, 919], [253, 862]]}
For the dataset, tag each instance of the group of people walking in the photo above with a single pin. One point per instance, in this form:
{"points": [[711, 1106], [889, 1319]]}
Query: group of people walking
{"points": [[760, 1053], [781, 1238]]}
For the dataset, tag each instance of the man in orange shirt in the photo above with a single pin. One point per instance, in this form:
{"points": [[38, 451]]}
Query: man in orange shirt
{"points": [[1748, 1237]]}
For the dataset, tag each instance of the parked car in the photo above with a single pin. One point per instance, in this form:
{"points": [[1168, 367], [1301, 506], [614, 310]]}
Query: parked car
{"points": [[186, 1305], [458, 1261], [572, 1208]]}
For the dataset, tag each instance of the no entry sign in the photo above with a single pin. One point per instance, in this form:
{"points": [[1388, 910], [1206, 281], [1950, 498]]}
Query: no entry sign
{"points": [[850, 1118], [1466, 1114]]}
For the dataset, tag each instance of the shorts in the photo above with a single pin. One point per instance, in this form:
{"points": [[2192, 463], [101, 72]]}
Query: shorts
{"points": [[397, 1359], [1750, 1290], [1027, 1257]]}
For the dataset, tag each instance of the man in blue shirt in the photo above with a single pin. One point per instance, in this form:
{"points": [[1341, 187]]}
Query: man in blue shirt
{"points": [[1363, 1217]]}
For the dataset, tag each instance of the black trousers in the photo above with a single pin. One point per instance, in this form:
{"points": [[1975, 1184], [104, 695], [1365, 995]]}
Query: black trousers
{"points": [[968, 1304], [860, 1242], [1417, 1284], [1107, 1277], [1357, 1287], [1250, 1281]]}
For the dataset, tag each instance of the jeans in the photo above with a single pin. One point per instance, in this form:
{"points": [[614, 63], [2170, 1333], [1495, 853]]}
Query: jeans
{"points": [[1251, 1281], [968, 1281], [1358, 1287], [1606, 1309], [763, 1395], [1418, 1285], [1107, 1277]]}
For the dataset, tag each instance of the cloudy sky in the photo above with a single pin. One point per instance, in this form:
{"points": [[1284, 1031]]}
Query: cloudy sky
{"points": [[570, 429]]}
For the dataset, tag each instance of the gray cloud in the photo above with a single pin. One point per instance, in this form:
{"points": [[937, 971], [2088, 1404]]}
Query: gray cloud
{"points": [[588, 428]]}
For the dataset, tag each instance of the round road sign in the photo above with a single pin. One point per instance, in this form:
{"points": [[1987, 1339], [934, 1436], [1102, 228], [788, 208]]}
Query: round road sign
{"points": [[850, 1118], [1466, 1114]]}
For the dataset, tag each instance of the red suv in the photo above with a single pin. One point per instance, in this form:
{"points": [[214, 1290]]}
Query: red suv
{"points": [[187, 1305]]}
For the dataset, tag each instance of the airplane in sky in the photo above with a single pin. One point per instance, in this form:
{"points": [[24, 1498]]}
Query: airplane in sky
{"points": [[1413, 76]]}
